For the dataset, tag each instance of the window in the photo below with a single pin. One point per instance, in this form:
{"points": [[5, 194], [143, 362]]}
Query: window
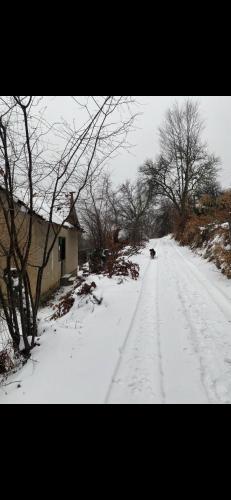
{"points": [[62, 249]]}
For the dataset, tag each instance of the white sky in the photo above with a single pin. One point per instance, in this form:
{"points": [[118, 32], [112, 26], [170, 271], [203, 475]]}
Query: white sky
{"points": [[215, 110]]}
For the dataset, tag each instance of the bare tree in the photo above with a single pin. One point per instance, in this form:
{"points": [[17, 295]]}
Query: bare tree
{"points": [[163, 219], [134, 202], [95, 211], [211, 188], [106, 210], [40, 163], [184, 165]]}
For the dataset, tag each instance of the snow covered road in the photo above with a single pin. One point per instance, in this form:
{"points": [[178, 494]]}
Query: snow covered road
{"points": [[163, 339], [178, 349]]}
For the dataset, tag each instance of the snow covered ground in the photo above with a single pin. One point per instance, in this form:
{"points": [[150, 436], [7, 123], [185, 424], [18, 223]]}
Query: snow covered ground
{"points": [[163, 339]]}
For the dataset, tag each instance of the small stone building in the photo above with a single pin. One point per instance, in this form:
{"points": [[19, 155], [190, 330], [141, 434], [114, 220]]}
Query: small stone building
{"points": [[64, 255]]}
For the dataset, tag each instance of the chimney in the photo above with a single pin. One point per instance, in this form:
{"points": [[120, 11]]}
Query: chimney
{"points": [[71, 199], [72, 217]]}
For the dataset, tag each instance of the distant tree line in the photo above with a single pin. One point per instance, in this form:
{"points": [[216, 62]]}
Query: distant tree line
{"points": [[167, 188]]}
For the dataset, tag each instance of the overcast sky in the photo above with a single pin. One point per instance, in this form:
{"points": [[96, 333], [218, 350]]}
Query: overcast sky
{"points": [[215, 110]]}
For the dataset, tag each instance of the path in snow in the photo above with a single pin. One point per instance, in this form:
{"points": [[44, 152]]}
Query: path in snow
{"points": [[178, 347], [170, 329]]}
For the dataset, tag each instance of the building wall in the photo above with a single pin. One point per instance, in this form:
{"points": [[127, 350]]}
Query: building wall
{"points": [[52, 272]]}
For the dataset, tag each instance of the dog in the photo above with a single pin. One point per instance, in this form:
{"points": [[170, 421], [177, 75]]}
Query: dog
{"points": [[152, 253]]}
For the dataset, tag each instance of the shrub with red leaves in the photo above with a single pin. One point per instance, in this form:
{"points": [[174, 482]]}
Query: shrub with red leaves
{"points": [[87, 289], [64, 306], [122, 267]]}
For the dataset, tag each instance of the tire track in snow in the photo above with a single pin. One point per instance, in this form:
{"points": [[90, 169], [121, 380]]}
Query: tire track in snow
{"points": [[206, 333], [198, 276], [193, 336], [176, 388], [146, 369], [134, 380], [124, 345], [158, 331]]}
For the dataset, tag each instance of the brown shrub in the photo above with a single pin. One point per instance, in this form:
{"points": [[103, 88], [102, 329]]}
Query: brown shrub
{"points": [[122, 267], [6, 363], [224, 201], [189, 232], [64, 306], [87, 289], [222, 259]]}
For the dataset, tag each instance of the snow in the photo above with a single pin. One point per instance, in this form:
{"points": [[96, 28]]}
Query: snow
{"points": [[123, 235], [163, 339], [217, 239], [78, 352], [224, 225], [41, 206]]}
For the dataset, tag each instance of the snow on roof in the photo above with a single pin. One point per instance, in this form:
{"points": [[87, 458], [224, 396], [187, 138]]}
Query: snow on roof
{"points": [[41, 207]]}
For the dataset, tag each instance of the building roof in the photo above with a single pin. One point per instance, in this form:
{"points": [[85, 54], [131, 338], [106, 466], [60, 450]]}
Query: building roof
{"points": [[41, 209]]}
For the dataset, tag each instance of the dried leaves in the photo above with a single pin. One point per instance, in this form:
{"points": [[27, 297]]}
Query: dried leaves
{"points": [[122, 267], [87, 289], [64, 306], [6, 363]]}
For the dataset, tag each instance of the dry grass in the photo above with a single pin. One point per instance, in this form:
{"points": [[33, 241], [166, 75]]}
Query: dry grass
{"points": [[205, 232], [221, 257], [189, 231]]}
